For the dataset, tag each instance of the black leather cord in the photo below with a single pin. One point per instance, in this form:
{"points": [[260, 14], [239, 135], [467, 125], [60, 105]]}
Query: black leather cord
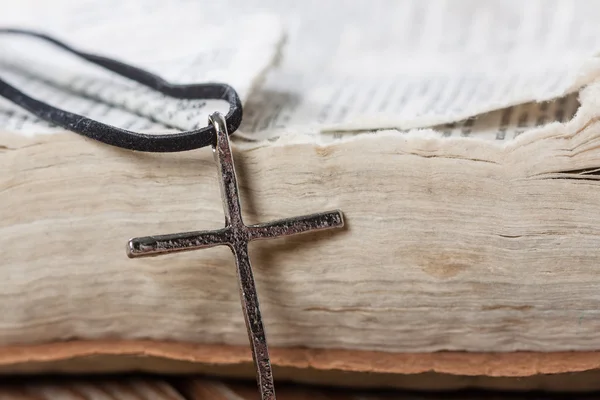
{"points": [[120, 137]]}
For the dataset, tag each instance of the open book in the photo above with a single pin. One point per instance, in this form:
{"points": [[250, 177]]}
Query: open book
{"points": [[460, 140]]}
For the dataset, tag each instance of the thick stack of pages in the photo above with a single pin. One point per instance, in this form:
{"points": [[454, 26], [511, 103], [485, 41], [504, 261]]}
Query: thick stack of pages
{"points": [[461, 141]]}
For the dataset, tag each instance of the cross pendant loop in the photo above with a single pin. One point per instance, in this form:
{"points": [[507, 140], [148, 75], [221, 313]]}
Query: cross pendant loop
{"points": [[236, 235]]}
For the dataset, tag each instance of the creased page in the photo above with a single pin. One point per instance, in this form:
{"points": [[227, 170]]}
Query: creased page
{"points": [[409, 64], [344, 66], [173, 41]]}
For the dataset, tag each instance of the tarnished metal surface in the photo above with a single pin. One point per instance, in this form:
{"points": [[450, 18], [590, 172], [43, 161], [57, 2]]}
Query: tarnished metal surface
{"points": [[236, 235]]}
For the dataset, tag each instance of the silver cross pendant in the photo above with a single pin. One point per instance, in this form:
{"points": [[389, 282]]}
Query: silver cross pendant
{"points": [[236, 235]]}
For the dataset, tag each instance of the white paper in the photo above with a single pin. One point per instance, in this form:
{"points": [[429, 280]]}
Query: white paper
{"points": [[177, 44], [510, 122], [358, 65], [410, 64]]}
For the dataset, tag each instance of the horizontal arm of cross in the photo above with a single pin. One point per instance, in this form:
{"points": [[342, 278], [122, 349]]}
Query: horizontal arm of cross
{"points": [[296, 225], [156, 245]]}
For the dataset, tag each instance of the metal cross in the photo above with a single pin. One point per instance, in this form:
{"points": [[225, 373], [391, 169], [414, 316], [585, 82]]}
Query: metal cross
{"points": [[236, 235]]}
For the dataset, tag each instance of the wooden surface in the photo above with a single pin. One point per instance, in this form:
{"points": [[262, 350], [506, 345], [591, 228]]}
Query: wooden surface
{"points": [[203, 388]]}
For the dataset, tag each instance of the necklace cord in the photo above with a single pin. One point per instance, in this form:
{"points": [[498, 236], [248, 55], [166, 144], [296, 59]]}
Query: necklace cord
{"points": [[123, 138]]}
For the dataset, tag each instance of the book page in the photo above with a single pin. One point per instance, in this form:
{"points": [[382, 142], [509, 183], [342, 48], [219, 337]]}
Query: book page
{"points": [[180, 45], [505, 124], [511, 122], [344, 66], [412, 64]]}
